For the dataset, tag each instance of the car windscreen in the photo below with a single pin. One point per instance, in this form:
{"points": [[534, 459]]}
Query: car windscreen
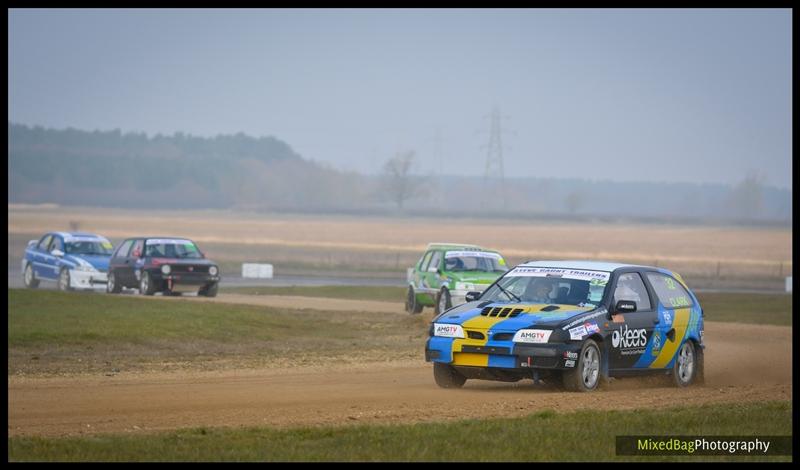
{"points": [[455, 261], [77, 246], [583, 288], [169, 248]]}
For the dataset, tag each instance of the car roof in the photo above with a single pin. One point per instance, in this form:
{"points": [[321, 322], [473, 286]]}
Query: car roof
{"points": [[78, 234], [450, 246], [581, 264]]}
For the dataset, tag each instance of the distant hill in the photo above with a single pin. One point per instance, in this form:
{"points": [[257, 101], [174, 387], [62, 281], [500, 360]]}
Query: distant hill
{"points": [[115, 169], [110, 168]]}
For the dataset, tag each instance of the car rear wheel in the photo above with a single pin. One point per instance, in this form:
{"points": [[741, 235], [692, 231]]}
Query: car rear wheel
{"points": [[443, 301], [209, 291], [412, 306], [146, 284], [446, 376], [30, 278], [63, 280], [585, 377], [686, 365], [113, 287]]}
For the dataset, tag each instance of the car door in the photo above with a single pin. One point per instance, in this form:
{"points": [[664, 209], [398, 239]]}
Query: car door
{"points": [[117, 263], [675, 306], [39, 259], [631, 332], [420, 279], [54, 262], [130, 266], [433, 272]]}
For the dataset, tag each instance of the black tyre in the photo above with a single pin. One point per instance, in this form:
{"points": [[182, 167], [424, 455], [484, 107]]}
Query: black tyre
{"points": [[446, 376], [29, 277], [209, 291], [585, 377], [686, 365], [443, 301], [412, 306], [63, 280], [113, 287], [146, 286]]}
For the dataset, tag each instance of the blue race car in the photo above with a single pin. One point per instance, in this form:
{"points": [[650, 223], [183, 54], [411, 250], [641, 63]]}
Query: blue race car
{"points": [[73, 260], [571, 323]]}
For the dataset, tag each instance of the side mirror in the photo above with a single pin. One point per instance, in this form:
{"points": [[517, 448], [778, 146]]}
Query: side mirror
{"points": [[472, 296], [626, 306], [57, 253], [32, 243]]}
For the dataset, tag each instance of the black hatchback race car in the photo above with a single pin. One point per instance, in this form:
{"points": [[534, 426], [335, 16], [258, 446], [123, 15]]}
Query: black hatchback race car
{"points": [[162, 264], [571, 323]]}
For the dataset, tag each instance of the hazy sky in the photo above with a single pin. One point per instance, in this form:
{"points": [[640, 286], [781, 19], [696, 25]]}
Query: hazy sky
{"points": [[654, 95]]}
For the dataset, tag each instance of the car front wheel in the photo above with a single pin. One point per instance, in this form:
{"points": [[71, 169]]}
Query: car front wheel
{"points": [[30, 278], [209, 291], [412, 306], [585, 377], [446, 376], [443, 301], [146, 284], [113, 286], [63, 280]]}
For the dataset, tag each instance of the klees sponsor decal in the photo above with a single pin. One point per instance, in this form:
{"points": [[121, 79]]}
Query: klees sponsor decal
{"points": [[583, 319], [577, 333], [629, 341]]}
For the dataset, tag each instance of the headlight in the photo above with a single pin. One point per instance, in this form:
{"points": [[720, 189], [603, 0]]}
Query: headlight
{"points": [[85, 267], [166, 269], [532, 336], [448, 331], [212, 270], [467, 286]]}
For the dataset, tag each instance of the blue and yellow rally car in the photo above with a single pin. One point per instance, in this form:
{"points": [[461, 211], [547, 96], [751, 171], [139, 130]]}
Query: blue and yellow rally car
{"points": [[571, 323]]}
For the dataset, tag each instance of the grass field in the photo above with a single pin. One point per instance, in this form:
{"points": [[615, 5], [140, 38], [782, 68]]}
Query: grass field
{"points": [[766, 309], [544, 436], [54, 332]]}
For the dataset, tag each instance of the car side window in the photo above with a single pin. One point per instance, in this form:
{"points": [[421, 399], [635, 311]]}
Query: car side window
{"points": [[631, 287], [45, 242], [669, 291], [436, 259], [138, 249], [423, 266], [56, 244], [123, 249]]}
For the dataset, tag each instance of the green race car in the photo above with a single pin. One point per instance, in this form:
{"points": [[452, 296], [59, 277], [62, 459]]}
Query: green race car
{"points": [[447, 271]]}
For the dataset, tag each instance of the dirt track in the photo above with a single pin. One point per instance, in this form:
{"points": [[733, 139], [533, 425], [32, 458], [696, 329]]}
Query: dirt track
{"points": [[743, 363]]}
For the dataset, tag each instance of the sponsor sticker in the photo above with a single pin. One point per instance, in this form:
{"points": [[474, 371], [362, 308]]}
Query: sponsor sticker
{"points": [[570, 355], [446, 330], [656, 343], [584, 319], [667, 317], [168, 241], [569, 363], [474, 254], [577, 333], [532, 336], [591, 327], [579, 274]]}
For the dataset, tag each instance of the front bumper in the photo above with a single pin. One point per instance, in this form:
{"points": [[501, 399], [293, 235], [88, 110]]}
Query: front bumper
{"points": [[505, 355], [87, 279], [186, 282]]}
